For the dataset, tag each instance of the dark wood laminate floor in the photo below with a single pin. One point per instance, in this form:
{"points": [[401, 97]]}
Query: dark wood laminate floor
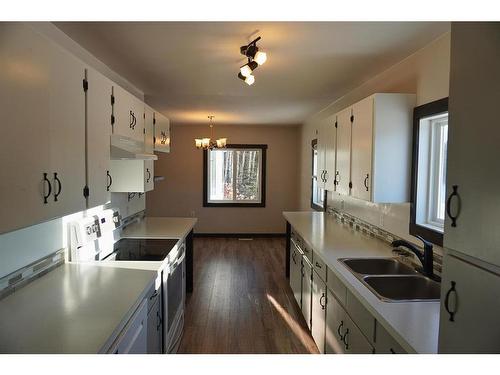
{"points": [[242, 302]]}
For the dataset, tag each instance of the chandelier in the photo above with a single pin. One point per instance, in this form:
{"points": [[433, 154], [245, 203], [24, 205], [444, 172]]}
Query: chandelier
{"points": [[209, 143]]}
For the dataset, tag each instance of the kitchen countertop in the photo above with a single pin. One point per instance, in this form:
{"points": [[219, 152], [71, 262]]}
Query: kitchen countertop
{"points": [[414, 325], [160, 227], [76, 308]]}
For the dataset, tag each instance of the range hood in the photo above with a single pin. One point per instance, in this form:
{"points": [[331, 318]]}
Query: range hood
{"points": [[124, 148]]}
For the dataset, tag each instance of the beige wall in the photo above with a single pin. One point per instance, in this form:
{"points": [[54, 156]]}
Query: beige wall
{"points": [[425, 73], [180, 194]]}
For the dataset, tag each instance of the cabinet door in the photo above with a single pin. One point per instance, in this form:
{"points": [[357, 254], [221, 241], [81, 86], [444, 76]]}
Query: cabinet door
{"points": [[134, 339], [129, 176], [67, 132], [343, 173], [335, 324], [473, 119], [386, 344], [162, 133], [128, 114], [149, 174], [362, 141], [155, 329], [296, 274], [99, 112], [25, 140], [318, 312], [473, 295], [307, 292], [321, 159], [330, 140], [354, 341], [148, 129]]}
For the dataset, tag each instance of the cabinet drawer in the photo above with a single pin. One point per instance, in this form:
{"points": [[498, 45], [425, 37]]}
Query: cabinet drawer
{"points": [[320, 267], [361, 316], [308, 253], [385, 343], [337, 287]]}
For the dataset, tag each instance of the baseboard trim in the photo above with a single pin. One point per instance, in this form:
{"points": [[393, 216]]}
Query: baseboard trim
{"points": [[240, 235]]}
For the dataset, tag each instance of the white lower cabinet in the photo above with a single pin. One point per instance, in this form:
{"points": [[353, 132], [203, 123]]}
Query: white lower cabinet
{"points": [[470, 302], [318, 311], [296, 274], [342, 335], [135, 176], [306, 291], [337, 319], [385, 343], [155, 324], [134, 337]]}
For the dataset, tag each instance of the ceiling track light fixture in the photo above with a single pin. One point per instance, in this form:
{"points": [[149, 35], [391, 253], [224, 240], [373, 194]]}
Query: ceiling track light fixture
{"points": [[255, 59]]}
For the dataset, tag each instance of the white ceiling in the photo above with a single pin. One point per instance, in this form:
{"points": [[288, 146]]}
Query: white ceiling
{"points": [[188, 70]]}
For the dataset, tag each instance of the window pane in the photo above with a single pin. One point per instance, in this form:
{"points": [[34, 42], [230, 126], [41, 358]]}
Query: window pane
{"points": [[221, 175], [441, 194], [247, 175]]}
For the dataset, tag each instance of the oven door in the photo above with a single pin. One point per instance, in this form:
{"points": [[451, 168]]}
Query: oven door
{"points": [[175, 300]]}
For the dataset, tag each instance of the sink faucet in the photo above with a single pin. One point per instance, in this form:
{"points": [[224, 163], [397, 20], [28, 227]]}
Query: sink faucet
{"points": [[426, 259]]}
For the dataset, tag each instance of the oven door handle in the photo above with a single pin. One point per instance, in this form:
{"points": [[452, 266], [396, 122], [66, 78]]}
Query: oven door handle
{"points": [[177, 262]]}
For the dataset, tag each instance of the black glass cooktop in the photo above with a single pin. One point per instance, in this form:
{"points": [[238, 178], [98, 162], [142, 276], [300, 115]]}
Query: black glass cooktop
{"points": [[142, 249]]}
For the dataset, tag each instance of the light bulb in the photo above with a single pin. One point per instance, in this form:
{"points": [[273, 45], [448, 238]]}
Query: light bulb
{"points": [[250, 80], [198, 143], [245, 71], [205, 142], [260, 57]]}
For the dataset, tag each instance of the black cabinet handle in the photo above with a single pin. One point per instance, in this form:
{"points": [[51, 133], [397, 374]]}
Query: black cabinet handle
{"points": [[454, 193], [45, 197], [326, 176], [339, 330], [293, 257], [323, 297], [110, 180], [318, 265], [447, 301], [131, 119], [366, 181], [344, 339], [392, 351], [149, 174], [59, 186]]}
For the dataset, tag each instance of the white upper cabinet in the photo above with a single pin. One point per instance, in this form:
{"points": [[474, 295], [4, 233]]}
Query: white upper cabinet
{"points": [[148, 129], [132, 176], [99, 111], [67, 132], [161, 133], [473, 181], [326, 154], [42, 150], [380, 152], [362, 136], [128, 113], [343, 160]]}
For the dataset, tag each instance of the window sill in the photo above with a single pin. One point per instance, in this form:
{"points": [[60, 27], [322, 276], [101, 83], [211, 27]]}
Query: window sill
{"points": [[234, 204]]}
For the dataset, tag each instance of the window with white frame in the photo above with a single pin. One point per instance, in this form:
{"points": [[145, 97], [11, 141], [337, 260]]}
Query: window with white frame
{"points": [[437, 170], [433, 146], [317, 193], [235, 176]]}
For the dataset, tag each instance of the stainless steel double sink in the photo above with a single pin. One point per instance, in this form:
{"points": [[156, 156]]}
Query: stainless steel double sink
{"points": [[393, 281]]}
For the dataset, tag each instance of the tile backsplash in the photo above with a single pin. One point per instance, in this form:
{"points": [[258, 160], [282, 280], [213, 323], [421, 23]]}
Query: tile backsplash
{"points": [[375, 231]]}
